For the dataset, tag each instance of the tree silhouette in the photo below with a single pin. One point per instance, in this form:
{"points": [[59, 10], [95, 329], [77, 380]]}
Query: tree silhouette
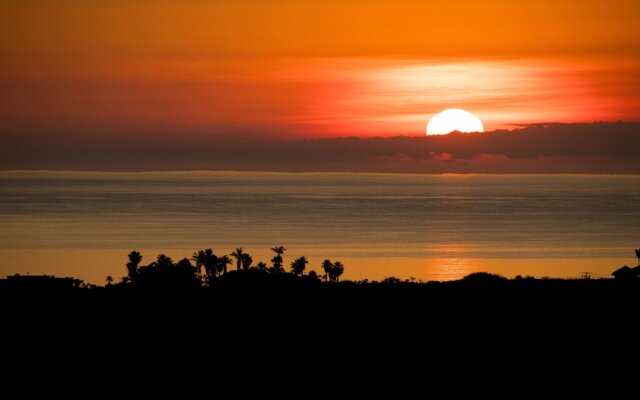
{"points": [[262, 266], [109, 280], [185, 272], [208, 260], [638, 255], [210, 264], [298, 265], [238, 256], [277, 260], [327, 266], [164, 262], [185, 264], [223, 262], [163, 273], [332, 271], [246, 261], [313, 275], [132, 266], [336, 271], [200, 258]]}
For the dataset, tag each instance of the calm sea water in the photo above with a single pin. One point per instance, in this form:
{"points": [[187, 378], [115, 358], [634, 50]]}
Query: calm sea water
{"points": [[425, 226]]}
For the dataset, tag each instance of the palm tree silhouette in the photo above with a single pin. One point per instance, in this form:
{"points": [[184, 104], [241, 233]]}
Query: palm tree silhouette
{"points": [[298, 265], [246, 261], [206, 259], [211, 263], [109, 280], [277, 260], [238, 256], [200, 258], [223, 262], [327, 266], [132, 266], [337, 270]]}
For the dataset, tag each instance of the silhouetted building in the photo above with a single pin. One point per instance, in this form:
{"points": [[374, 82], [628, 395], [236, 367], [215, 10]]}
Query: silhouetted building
{"points": [[626, 273]]}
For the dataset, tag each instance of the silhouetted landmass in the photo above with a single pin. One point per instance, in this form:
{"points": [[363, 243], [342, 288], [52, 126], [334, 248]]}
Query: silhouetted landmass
{"points": [[209, 276], [278, 292], [210, 273], [193, 307]]}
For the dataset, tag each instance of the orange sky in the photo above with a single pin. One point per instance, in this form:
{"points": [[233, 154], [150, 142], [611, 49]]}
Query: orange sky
{"points": [[271, 69]]}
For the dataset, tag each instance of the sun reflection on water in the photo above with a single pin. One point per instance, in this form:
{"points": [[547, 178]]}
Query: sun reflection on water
{"points": [[451, 268]]}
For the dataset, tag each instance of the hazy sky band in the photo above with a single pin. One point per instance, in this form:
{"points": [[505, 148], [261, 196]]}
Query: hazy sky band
{"points": [[100, 73]]}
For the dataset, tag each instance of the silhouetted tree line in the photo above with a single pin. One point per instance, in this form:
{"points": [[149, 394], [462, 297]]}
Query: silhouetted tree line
{"points": [[205, 267]]}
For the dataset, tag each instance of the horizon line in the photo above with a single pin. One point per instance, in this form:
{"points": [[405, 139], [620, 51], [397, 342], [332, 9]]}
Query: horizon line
{"points": [[258, 172]]}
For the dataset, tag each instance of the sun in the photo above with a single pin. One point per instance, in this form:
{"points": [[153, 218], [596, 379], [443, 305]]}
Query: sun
{"points": [[454, 119]]}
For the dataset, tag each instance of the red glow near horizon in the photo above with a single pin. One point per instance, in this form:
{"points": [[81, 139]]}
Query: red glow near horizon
{"points": [[365, 97], [224, 70], [318, 97]]}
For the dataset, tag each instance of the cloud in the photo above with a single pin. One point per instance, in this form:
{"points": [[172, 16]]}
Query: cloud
{"points": [[601, 140], [597, 148], [545, 140]]}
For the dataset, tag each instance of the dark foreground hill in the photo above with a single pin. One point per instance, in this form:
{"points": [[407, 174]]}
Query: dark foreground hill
{"points": [[281, 325], [247, 297]]}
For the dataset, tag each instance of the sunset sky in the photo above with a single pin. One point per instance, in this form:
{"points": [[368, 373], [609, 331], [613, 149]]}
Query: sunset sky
{"points": [[104, 71], [312, 86]]}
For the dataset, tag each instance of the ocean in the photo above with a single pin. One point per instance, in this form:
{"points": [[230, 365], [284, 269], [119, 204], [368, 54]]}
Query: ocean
{"points": [[422, 227]]}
